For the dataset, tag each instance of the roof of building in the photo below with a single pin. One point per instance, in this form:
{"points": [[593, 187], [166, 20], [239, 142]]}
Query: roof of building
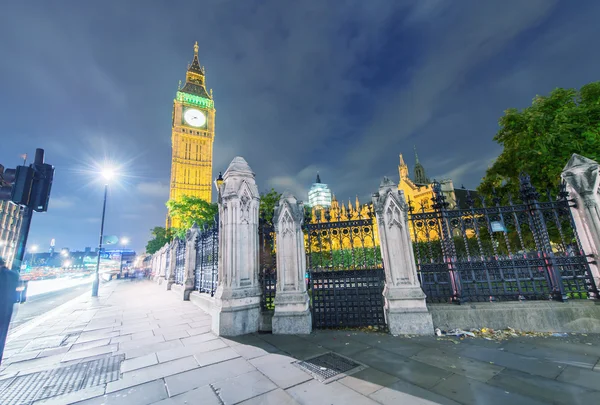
{"points": [[461, 197]]}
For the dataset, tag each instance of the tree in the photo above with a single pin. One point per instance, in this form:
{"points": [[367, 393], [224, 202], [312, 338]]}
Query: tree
{"points": [[190, 211], [161, 236], [540, 139], [268, 202]]}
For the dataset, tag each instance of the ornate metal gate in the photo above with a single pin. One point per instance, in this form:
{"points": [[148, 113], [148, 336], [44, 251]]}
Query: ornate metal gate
{"points": [[268, 264], [207, 258], [524, 250], [345, 271], [179, 261]]}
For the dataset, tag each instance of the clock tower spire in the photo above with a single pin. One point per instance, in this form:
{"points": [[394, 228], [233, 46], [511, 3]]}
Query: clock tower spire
{"points": [[192, 137]]}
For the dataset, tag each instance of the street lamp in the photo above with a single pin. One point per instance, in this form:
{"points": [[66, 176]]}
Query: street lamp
{"points": [[108, 174], [218, 181]]}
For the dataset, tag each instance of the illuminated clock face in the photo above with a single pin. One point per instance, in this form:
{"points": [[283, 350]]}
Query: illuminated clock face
{"points": [[195, 118]]}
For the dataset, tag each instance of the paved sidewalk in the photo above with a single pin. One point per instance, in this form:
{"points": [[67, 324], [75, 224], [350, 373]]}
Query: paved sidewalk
{"points": [[139, 344]]}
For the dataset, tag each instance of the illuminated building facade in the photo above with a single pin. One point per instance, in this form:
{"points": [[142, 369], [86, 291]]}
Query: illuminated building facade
{"points": [[10, 227], [192, 137]]}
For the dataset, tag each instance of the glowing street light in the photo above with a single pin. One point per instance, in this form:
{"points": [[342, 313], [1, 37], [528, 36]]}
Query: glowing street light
{"points": [[33, 248], [108, 173], [124, 241]]}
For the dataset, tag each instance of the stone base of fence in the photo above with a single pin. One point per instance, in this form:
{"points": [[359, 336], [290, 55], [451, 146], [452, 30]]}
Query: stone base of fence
{"points": [[266, 321], [292, 314], [406, 312], [534, 316], [204, 301], [179, 290]]}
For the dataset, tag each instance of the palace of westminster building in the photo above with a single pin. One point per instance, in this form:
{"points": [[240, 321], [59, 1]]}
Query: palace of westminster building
{"points": [[193, 134]]}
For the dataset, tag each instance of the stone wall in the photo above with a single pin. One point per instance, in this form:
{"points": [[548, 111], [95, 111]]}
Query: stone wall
{"points": [[580, 316]]}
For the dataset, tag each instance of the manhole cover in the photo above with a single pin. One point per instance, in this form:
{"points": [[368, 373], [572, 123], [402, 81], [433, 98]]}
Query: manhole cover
{"points": [[329, 367], [25, 389]]}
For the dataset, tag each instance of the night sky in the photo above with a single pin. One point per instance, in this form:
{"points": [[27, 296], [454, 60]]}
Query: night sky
{"points": [[339, 87]]}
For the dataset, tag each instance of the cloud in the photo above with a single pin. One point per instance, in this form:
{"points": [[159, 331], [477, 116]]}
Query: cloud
{"points": [[153, 189], [61, 203]]}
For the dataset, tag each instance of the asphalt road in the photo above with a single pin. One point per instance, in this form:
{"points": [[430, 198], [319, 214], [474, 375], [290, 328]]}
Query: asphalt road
{"points": [[40, 304]]}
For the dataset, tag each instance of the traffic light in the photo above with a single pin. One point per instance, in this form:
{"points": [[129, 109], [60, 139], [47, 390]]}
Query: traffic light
{"points": [[28, 186], [42, 183]]}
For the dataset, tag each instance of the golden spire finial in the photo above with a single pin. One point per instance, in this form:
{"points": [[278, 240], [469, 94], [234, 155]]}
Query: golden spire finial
{"points": [[196, 48]]}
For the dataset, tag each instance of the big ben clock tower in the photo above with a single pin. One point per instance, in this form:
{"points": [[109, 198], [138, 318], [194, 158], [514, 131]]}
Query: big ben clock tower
{"points": [[193, 133]]}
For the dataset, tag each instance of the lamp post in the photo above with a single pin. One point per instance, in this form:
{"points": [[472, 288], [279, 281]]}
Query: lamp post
{"points": [[107, 174], [218, 181]]}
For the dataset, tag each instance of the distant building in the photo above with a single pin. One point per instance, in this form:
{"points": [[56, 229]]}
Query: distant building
{"points": [[419, 190], [10, 227], [319, 195]]}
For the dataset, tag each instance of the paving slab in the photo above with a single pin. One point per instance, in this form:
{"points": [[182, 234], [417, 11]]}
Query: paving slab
{"points": [[418, 373], [183, 351], [154, 348], [150, 373], [216, 356], [138, 343], [90, 344], [580, 376], [542, 389], [551, 355], [139, 362], [313, 392], [194, 340], [94, 351], [275, 397], [198, 331], [527, 364], [472, 392], [475, 369], [139, 395], [204, 395], [180, 383], [280, 370], [402, 392], [368, 381], [178, 334], [242, 387]]}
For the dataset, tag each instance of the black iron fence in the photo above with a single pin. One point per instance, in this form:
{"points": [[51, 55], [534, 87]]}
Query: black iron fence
{"points": [[179, 261], [345, 271], [268, 264], [207, 258], [525, 250]]}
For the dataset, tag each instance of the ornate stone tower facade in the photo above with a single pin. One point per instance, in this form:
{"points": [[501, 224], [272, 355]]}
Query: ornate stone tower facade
{"points": [[192, 137]]}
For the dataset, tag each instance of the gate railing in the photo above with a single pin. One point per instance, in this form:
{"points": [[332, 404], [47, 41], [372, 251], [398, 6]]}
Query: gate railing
{"points": [[207, 258], [527, 250], [179, 261], [268, 264], [345, 271]]}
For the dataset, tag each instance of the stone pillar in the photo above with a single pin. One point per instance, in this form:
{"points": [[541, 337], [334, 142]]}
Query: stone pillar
{"points": [[292, 310], [405, 308], [237, 299], [162, 259], [582, 178], [172, 249], [189, 278]]}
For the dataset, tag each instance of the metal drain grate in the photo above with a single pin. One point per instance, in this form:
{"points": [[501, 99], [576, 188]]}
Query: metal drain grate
{"points": [[25, 389], [329, 367]]}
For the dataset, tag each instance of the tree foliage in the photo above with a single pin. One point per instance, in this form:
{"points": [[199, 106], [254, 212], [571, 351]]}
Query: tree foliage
{"points": [[540, 139], [190, 211], [160, 237], [268, 202]]}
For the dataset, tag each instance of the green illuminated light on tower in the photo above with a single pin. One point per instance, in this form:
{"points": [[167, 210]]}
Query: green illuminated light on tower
{"points": [[196, 100]]}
